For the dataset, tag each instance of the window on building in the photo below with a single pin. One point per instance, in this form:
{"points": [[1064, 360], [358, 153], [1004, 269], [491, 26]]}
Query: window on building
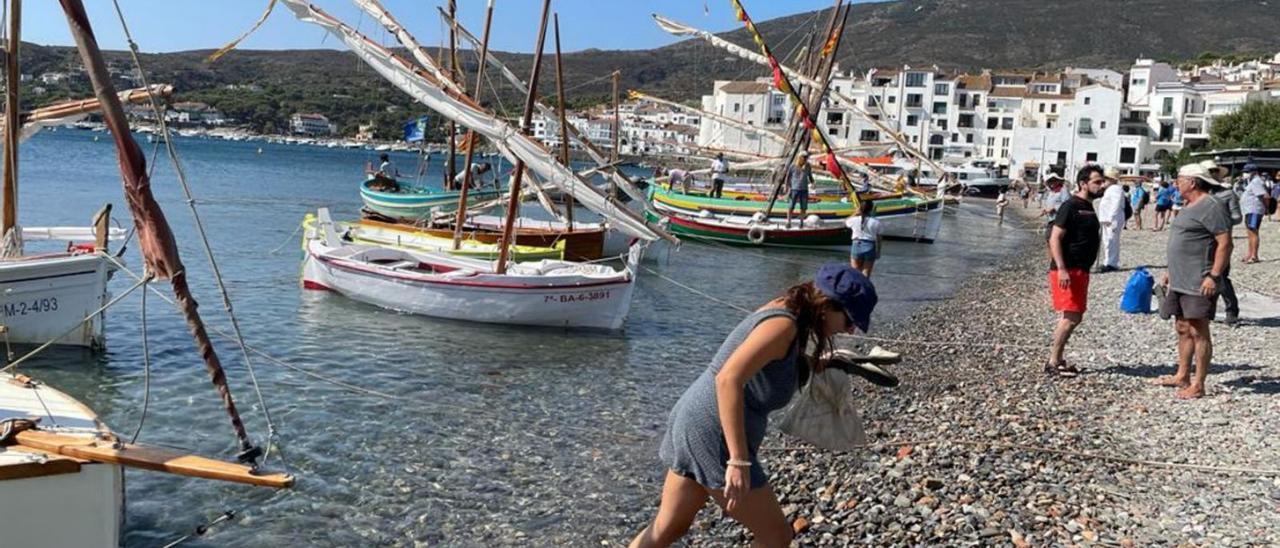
{"points": [[1086, 126], [1091, 157], [968, 138], [835, 118], [833, 130], [1048, 124], [955, 137], [1087, 100], [1053, 108], [1128, 155], [737, 107], [1062, 158], [751, 108], [869, 135], [915, 79], [1167, 109], [965, 120], [914, 100], [1041, 107], [1004, 142], [915, 139], [1138, 83], [893, 99], [1006, 123], [991, 153], [941, 89], [968, 154], [942, 124], [1102, 124], [912, 120], [991, 141], [961, 98], [939, 107], [993, 123]]}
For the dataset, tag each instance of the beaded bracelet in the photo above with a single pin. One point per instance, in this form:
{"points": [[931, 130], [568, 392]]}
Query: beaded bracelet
{"points": [[735, 462]]}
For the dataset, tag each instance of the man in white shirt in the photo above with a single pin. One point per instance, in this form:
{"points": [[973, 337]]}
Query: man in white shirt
{"points": [[1253, 204], [476, 171], [1111, 216], [719, 169]]}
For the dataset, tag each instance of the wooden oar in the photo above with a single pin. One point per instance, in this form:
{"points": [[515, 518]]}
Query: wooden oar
{"points": [[149, 458]]}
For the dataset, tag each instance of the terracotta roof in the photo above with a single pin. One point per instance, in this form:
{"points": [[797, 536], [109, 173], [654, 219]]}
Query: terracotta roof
{"points": [[979, 82], [1053, 96], [1009, 92], [1055, 78], [745, 87]]}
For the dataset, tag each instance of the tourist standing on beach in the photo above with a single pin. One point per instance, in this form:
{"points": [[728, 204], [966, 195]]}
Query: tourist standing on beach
{"points": [[1111, 215], [1199, 251], [1073, 247], [1164, 203], [715, 429], [799, 176], [1002, 201], [865, 229], [719, 169], [1275, 199], [1253, 203], [1138, 201]]}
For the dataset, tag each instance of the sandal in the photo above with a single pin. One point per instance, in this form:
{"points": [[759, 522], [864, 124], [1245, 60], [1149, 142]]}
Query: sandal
{"points": [[1066, 371]]}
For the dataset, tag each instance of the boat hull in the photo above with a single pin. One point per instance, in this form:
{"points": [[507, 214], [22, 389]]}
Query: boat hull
{"points": [[919, 224], [41, 297], [368, 231], [584, 243], [740, 234], [549, 293], [52, 501], [419, 204]]}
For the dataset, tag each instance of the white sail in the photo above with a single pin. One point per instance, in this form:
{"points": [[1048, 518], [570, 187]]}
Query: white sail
{"points": [[427, 90], [680, 29], [596, 156]]}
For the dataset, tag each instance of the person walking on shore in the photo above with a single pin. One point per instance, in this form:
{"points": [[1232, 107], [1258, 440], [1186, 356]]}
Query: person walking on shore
{"points": [[1138, 201], [1002, 201], [1199, 251], [1073, 247], [1164, 203], [719, 170], [1111, 215], [865, 229], [799, 176], [1253, 203], [715, 430]]}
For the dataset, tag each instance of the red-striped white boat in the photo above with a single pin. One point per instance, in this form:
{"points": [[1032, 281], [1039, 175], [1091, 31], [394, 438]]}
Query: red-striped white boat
{"points": [[543, 293]]}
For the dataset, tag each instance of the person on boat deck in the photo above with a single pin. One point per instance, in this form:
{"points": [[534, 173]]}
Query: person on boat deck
{"points": [[865, 229], [676, 176], [715, 430], [719, 170], [864, 183], [476, 171], [384, 179], [1073, 247], [799, 176]]}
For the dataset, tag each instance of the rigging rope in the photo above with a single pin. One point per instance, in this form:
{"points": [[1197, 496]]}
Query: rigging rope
{"points": [[146, 364], [204, 238]]}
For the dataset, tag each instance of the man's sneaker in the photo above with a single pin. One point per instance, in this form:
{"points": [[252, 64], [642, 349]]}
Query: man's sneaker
{"points": [[1231, 321]]}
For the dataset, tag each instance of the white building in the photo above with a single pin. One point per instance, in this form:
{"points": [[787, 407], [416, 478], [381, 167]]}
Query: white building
{"points": [[311, 124], [751, 103]]}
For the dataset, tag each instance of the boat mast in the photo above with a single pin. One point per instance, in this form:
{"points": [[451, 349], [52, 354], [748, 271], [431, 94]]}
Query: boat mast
{"points": [[451, 169], [155, 237], [471, 135], [513, 203], [564, 126], [11, 107], [617, 126]]}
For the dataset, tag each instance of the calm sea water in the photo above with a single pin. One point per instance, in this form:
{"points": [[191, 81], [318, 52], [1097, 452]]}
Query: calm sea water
{"points": [[493, 435]]}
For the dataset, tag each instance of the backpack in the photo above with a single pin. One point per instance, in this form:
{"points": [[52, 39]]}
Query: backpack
{"points": [[1137, 292], [1128, 210]]}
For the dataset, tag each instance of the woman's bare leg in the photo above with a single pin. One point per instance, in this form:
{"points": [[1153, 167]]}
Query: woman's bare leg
{"points": [[759, 513], [682, 498]]}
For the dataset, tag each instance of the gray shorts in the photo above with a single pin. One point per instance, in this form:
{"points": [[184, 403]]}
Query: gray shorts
{"points": [[1188, 307]]}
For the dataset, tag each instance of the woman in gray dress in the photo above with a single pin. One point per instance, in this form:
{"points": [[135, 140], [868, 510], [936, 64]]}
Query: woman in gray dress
{"points": [[715, 429]]}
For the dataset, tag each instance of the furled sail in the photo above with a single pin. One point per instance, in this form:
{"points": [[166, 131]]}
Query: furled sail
{"points": [[428, 90]]}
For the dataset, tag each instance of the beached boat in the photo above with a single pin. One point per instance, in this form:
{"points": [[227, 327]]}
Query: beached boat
{"points": [[543, 293], [581, 241], [368, 231], [412, 202]]}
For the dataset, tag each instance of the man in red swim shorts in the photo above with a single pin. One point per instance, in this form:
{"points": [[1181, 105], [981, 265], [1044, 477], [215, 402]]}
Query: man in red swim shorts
{"points": [[1073, 245]]}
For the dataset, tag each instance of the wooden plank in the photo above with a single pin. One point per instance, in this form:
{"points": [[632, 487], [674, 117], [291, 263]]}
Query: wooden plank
{"points": [[150, 458], [54, 466]]}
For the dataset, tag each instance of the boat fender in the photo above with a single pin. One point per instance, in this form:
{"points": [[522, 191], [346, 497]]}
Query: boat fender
{"points": [[702, 213], [812, 220], [758, 217], [664, 222], [756, 234]]}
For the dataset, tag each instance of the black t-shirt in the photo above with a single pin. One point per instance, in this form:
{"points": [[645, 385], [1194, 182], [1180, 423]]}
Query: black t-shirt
{"points": [[1082, 238]]}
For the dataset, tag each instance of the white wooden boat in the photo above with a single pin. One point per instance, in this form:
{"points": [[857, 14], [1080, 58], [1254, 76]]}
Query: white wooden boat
{"points": [[543, 293], [48, 499], [44, 296]]}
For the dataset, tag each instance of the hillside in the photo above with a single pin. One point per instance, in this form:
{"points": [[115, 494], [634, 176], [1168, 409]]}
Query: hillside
{"points": [[953, 34]]}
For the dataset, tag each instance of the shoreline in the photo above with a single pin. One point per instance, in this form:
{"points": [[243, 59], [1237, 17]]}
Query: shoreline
{"points": [[925, 480]]}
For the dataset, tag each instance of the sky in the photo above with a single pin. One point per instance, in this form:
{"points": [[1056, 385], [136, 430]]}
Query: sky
{"points": [[177, 25]]}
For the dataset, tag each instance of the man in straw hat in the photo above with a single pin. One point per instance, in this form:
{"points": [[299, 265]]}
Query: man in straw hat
{"points": [[1111, 216], [1199, 251]]}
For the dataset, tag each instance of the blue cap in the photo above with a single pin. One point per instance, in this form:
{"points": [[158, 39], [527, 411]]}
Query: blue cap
{"points": [[1250, 168], [847, 286]]}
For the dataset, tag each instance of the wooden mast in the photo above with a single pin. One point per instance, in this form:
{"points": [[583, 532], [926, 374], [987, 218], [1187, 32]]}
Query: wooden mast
{"points": [[564, 126], [617, 128], [471, 135], [9, 219], [450, 170], [513, 202], [155, 237]]}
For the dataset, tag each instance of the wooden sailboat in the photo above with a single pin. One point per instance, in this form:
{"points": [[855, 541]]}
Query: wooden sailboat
{"points": [[559, 293], [52, 296], [61, 469]]}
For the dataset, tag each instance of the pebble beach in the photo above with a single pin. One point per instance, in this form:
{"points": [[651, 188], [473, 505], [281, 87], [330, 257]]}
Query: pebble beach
{"points": [[979, 447]]}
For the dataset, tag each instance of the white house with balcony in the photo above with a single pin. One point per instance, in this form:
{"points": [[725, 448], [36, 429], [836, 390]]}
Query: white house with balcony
{"points": [[753, 103], [1084, 131]]}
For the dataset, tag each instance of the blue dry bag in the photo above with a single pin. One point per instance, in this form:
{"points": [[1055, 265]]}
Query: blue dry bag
{"points": [[1137, 292]]}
